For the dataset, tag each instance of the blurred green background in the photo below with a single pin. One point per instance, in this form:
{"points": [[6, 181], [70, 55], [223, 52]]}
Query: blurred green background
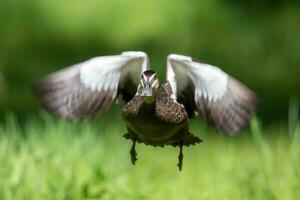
{"points": [[43, 157], [258, 42]]}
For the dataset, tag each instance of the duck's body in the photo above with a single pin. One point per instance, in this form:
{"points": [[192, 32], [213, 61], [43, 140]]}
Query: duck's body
{"points": [[154, 114], [162, 122]]}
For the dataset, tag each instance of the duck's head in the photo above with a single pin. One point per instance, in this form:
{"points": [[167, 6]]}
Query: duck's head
{"points": [[148, 85]]}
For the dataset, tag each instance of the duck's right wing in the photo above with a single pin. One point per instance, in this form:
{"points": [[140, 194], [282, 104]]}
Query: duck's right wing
{"points": [[84, 89], [223, 101]]}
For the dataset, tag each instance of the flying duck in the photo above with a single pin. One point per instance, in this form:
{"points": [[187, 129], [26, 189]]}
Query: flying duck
{"points": [[155, 114]]}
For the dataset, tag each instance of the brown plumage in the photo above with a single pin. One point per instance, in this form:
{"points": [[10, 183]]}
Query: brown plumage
{"points": [[162, 123]]}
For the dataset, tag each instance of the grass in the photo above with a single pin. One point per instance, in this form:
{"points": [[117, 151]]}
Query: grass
{"points": [[50, 159]]}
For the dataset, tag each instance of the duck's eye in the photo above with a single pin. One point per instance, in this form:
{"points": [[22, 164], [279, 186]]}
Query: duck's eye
{"points": [[144, 76]]}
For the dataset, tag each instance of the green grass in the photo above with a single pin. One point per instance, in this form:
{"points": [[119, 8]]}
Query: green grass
{"points": [[50, 159]]}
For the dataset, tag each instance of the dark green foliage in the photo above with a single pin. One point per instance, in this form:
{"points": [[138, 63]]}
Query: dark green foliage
{"points": [[255, 41]]}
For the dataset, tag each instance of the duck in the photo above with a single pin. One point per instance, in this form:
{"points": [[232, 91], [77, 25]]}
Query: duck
{"points": [[155, 113]]}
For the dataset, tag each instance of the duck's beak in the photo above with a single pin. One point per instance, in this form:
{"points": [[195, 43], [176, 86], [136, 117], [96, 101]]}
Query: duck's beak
{"points": [[147, 90]]}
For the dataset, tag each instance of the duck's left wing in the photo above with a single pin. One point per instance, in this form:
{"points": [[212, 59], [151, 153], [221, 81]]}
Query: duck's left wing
{"points": [[84, 89], [223, 101]]}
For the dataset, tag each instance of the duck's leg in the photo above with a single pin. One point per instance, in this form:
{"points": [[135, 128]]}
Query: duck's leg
{"points": [[133, 153], [180, 156], [131, 136]]}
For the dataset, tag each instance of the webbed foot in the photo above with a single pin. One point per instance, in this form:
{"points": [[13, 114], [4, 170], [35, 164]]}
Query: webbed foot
{"points": [[180, 156], [133, 153]]}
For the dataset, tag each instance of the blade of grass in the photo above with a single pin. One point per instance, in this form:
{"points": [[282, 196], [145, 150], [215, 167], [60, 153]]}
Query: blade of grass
{"points": [[265, 154], [293, 116]]}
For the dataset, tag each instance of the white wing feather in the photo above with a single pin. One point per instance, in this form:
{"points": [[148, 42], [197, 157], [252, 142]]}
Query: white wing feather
{"points": [[106, 72], [210, 82]]}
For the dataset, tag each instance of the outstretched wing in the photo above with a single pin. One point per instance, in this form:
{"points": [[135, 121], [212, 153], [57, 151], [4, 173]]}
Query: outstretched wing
{"points": [[223, 101], [84, 89]]}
